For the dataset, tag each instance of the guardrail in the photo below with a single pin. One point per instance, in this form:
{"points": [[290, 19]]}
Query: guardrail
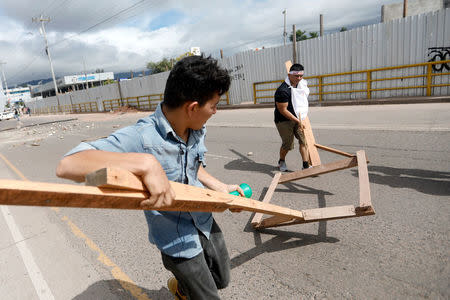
{"points": [[85, 107], [260, 89], [147, 102]]}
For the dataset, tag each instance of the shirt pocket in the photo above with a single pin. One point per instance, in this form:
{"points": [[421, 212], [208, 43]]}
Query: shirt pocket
{"points": [[168, 158]]}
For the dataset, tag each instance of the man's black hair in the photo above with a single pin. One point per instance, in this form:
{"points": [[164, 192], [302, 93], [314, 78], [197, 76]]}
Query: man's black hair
{"points": [[195, 78], [296, 67]]}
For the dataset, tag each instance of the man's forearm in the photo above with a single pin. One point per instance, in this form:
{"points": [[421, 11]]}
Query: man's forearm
{"points": [[210, 181], [78, 165]]}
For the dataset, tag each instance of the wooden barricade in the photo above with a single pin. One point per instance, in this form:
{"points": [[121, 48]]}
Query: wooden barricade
{"points": [[364, 207]]}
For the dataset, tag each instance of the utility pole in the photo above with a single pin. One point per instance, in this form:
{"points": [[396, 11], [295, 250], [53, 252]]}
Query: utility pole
{"points": [[321, 25], [284, 32], [47, 50], [294, 44], [85, 75], [6, 85], [86, 80], [4, 78], [405, 4]]}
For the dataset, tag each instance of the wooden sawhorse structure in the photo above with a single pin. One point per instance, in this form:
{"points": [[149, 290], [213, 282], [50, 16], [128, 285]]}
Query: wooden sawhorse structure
{"points": [[326, 213]]}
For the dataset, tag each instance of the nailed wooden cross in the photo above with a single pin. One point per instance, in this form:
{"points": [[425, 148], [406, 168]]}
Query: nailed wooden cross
{"points": [[326, 213]]}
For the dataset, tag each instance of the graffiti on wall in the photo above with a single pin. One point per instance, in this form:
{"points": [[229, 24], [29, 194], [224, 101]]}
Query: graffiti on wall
{"points": [[439, 54], [236, 73]]}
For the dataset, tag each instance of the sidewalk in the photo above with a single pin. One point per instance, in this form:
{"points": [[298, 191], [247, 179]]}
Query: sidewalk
{"points": [[378, 101]]}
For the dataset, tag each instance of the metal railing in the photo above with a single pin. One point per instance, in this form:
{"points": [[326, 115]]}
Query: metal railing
{"points": [[147, 102], [85, 107], [260, 89]]}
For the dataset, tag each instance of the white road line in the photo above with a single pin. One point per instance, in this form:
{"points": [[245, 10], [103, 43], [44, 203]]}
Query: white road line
{"points": [[219, 156], [40, 285], [392, 127]]}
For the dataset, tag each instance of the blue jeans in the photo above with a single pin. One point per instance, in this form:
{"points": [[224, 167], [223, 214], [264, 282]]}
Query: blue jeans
{"points": [[201, 276]]}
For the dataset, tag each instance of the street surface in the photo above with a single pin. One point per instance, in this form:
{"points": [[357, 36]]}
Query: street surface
{"points": [[400, 253]]}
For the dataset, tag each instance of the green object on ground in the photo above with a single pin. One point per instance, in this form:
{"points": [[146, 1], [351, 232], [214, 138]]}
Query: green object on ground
{"points": [[246, 188]]}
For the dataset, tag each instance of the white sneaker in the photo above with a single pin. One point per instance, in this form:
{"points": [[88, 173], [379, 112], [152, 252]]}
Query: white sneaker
{"points": [[282, 166]]}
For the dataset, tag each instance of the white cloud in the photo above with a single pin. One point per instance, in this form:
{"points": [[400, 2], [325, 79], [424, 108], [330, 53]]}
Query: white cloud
{"points": [[125, 42]]}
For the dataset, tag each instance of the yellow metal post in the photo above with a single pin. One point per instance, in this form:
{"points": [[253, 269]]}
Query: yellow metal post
{"points": [[429, 79], [320, 88], [254, 93], [369, 84]]}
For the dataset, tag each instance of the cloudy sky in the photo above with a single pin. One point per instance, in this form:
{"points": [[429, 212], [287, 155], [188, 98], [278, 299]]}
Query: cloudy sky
{"points": [[123, 35]]}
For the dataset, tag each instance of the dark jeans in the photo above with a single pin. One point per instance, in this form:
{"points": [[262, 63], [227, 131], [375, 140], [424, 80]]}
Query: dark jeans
{"points": [[200, 277]]}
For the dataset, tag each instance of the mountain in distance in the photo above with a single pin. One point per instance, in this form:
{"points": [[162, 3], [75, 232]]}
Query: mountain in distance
{"points": [[120, 75]]}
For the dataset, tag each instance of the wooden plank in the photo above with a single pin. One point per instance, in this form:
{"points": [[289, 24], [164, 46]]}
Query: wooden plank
{"points": [[267, 197], [288, 65], [364, 185], [121, 179], [273, 220], [188, 198], [314, 158], [115, 178], [318, 170], [328, 214], [329, 149]]}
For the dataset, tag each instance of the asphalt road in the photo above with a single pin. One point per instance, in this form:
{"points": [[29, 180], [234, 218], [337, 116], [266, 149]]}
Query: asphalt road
{"points": [[401, 252]]}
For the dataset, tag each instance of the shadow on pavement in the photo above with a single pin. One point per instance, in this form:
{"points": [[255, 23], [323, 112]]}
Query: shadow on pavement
{"points": [[246, 164], [106, 289], [424, 181], [284, 240]]}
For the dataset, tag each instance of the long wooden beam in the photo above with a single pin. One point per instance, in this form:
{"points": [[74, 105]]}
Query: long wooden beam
{"points": [[329, 149], [314, 158], [188, 198], [258, 216], [318, 214], [318, 170], [364, 184]]}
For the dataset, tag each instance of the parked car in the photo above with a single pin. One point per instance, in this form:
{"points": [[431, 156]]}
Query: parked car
{"points": [[6, 115]]}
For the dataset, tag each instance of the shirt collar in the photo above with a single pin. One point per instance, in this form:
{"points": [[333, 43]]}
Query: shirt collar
{"points": [[165, 128]]}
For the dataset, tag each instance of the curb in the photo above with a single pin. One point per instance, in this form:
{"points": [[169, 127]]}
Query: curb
{"points": [[379, 101]]}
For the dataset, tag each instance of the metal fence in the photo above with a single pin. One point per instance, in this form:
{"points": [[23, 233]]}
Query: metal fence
{"points": [[370, 85], [381, 48]]}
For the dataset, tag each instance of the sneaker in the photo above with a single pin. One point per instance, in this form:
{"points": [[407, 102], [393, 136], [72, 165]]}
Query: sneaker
{"points": [[172, 285], [307, 168], [282, 166]]}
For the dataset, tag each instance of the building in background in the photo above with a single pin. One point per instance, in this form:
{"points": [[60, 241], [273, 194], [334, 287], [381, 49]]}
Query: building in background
{"points": [[393, 11], [19, 95], [71, 83]]}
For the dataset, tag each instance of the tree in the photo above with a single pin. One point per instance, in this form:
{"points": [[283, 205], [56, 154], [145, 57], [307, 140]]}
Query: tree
{"points": [[343, 29], [161, 66], [313, 35], [165, 64], [300, 36], [99, 71]]}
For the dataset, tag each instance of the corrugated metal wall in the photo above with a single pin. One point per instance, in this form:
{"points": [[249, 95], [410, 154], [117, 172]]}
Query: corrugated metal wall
{"points": [[395, 43]]}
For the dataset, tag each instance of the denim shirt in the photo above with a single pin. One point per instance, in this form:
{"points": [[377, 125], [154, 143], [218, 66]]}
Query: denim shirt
{"points": [[174, 233]]}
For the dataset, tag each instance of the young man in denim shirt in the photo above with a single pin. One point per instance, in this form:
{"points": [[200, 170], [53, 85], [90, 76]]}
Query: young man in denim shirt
{"points": [[169, 145]]}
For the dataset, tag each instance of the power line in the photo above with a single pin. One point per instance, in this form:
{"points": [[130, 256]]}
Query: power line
{"points": [[101, 22]]}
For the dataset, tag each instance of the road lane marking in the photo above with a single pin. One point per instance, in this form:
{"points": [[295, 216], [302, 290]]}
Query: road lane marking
{"points": [[39, 283], [116, 272], [13, 168]]}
